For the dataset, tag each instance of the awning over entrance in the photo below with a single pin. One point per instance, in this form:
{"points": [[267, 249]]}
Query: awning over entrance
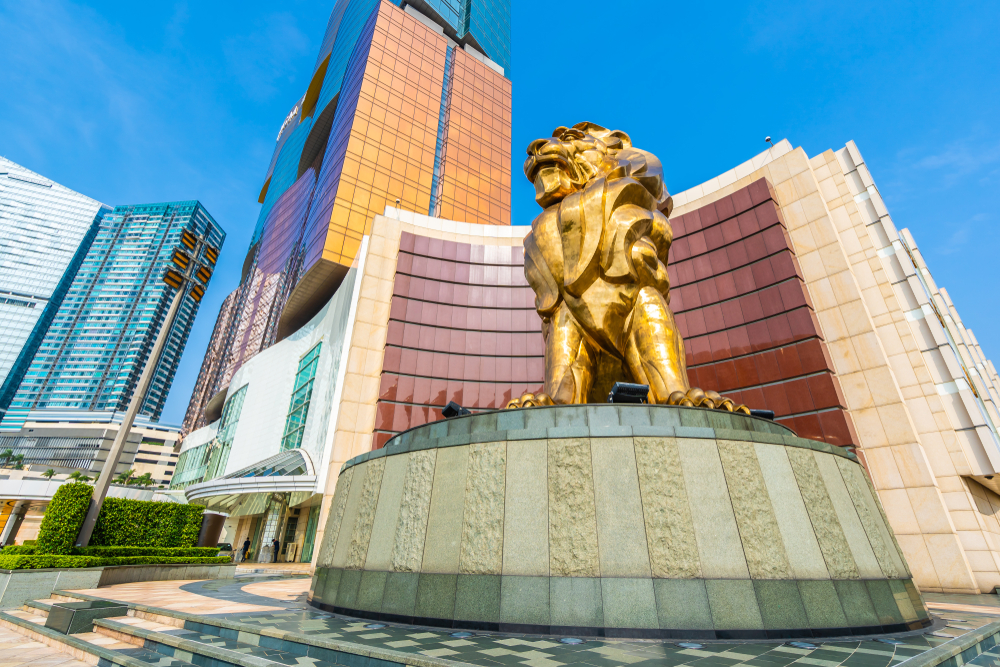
{"points": [[247, 491]]}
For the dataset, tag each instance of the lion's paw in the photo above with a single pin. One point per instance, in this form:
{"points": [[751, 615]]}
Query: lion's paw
{"points": [[699, 398], [529, 401]]}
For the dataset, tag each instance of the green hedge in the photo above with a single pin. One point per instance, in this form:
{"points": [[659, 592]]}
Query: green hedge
{"points": [[171, 552], [17, 550], [48, 561], [40, 562], [143, 523], [63, 518]]}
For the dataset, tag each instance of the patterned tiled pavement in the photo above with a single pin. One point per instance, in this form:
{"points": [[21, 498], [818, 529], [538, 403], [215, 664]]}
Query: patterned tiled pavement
{"points": [[278, 602]]}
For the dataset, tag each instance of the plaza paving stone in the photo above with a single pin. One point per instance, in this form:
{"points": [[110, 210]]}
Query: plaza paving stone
{"points": [[278, 602]]}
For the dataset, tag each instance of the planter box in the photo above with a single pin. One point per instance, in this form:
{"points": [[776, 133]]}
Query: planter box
{"points": [[69, 618], [19, 586], [126, 574]]}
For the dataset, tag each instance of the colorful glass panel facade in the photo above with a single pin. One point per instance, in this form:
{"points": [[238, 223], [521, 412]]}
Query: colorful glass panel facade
{"points": [[383, 118]]}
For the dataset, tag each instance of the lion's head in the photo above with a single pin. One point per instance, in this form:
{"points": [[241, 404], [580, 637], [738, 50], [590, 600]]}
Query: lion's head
{"points": [[572, 157]]}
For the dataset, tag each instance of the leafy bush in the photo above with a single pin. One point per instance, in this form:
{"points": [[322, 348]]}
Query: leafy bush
{"points": [[160, 560], [144, 523], [63, 518], [45, 561], [163, 552], [17, 550], [50, 561], [28, 543]]}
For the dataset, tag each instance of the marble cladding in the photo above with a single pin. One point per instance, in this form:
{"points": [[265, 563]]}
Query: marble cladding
{"points": [[633, 521]]}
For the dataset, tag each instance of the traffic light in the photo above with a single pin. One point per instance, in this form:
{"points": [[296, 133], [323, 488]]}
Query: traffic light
{"points": [[173, 278], [204, 274], [188, 239]]}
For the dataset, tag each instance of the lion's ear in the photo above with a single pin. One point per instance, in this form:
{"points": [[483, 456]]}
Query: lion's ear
{"points": [[625, 139]]}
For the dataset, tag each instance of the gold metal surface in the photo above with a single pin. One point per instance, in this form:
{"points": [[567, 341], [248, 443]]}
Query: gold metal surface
{"points": [[596, 258]]}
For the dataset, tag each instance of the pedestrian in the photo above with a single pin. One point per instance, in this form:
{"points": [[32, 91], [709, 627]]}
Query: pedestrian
{"points": [[246, 550], [277, 547]]}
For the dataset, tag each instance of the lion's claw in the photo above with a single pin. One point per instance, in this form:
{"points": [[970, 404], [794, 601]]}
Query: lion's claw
{"points": [[699, 398], [529, 401]]}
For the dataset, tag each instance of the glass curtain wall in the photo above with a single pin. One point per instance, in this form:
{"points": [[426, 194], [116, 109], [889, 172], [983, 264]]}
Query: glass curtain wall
{"points": [[298, 410], [208, 461]]}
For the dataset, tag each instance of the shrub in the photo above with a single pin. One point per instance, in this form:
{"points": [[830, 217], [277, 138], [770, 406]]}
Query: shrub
{"points": [[63, 518], [163, 552], [159, 560], [17, 550], [50, 561], [144, 523], [46, 561]]}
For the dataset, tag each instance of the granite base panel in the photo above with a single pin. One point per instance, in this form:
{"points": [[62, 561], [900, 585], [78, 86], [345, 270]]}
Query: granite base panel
{"points": [[127, 574], [615, 520], [626, 633], [858, 599], [20, 586]]}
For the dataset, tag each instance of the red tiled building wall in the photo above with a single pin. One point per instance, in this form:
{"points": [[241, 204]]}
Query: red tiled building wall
{"points": [[748, 324], [463, 328]]}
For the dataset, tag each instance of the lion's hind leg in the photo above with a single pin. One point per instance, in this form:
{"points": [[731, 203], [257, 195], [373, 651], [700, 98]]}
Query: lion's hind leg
{"points": [[654, 349], [569, 359]]}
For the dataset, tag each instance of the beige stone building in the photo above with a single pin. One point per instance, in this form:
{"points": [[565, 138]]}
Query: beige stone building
{"points": [[920, 392]]}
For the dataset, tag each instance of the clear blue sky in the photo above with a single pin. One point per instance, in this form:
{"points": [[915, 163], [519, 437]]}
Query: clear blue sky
{"points": [[142, 102]]}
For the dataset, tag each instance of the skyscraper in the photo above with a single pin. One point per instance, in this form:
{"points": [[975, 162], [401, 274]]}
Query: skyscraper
{"points": [[99, 341], [45, 232], [407, 107]]}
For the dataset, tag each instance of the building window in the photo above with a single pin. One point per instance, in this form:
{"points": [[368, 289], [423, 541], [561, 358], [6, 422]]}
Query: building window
{"points": [[208, 461], [298, 410]]}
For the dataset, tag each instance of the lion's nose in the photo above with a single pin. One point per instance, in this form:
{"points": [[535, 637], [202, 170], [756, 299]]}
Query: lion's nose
{"points": [[535, 146]]}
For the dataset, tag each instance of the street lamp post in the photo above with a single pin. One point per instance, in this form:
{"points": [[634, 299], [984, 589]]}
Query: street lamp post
{"points": [[188, 268]]}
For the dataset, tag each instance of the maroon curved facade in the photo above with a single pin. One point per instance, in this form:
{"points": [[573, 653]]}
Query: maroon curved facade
{"points": [[748, 324], [462, 325]]}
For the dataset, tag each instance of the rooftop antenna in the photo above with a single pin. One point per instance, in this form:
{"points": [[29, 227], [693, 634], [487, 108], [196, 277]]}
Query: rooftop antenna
{"points": [[768, 140]]}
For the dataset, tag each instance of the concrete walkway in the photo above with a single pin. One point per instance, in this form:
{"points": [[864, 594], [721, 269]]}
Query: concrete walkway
{"points": [[19, 651]]}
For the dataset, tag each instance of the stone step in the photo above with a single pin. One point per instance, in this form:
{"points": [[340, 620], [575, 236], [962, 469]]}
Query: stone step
{"points": [[307, 649], [90, 647], [201, 648], [39, 607]]}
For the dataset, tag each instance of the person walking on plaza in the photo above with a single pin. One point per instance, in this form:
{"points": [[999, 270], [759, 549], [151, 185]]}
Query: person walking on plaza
{"points": [[246, 549], [277, 546]]}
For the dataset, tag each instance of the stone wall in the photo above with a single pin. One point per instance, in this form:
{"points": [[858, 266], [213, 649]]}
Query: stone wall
{"points": [[623, 520]]}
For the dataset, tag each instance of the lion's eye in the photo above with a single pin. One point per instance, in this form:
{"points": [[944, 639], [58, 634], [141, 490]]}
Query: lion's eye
{"points": [[570, 135]]}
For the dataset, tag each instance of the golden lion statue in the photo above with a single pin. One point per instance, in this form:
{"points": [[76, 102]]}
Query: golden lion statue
{"points": [[596, 258]]}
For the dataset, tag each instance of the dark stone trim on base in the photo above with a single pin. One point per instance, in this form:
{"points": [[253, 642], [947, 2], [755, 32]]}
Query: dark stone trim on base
{"points": [[626, 633]]}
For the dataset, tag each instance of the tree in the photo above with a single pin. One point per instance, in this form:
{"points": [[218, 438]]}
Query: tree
{"points": [[126, 477], [145, 479], [50, 473], [5, 456], [78, 476], [18, 462]]}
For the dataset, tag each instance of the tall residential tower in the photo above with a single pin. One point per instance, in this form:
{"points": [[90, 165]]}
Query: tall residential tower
{"points": [[100, 338], [45, 232], [407, 107]]}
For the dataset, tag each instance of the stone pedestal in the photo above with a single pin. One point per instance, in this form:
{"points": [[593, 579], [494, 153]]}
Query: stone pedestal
{"points": [[618, 521]]}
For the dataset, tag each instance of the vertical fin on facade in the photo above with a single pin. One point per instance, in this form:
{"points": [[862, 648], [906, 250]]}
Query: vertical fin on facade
{"points": [[449, 68]]}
